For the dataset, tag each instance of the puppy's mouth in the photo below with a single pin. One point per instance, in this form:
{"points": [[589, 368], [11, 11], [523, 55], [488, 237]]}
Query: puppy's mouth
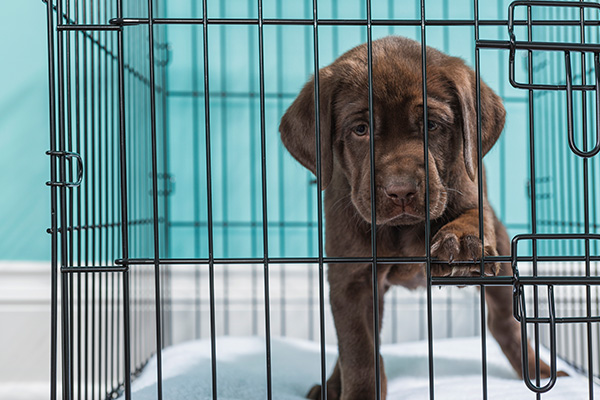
{"points": [[404, 218], [392, 214], [398, 218]]}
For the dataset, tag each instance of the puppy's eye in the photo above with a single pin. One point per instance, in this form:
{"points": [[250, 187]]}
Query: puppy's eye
{"points": [[431, 125], [361, 129]]}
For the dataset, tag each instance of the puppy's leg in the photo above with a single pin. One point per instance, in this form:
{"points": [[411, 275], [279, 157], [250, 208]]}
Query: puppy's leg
{"points": [[351, 295], [459, 240], [501, 322]]}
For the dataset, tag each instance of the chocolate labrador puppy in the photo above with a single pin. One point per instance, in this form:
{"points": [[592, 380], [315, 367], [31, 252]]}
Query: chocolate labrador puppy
{"points": [[398, 134]]}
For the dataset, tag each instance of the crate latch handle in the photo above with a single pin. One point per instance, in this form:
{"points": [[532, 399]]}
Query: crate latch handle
{"points": [[520, 304], [570, 129], [68, 154]]}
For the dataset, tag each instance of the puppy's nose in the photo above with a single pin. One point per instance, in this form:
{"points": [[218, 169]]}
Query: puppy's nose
{"points": [[401, 193]]}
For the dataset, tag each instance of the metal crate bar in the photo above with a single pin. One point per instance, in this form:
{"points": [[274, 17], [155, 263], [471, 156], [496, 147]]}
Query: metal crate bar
{"points": [[340, 22]]}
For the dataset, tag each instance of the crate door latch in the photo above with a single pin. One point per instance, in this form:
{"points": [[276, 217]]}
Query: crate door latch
{"points": [[68, 155], [521, 315]]}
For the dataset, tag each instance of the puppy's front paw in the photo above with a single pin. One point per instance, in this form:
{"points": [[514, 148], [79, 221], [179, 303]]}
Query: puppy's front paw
{"points": [[454, 246]]}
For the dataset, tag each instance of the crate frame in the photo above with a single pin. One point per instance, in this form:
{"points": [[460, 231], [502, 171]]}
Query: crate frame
{"points": [[63, 181]]}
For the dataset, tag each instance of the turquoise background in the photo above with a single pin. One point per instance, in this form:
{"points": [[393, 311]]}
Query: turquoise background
{"points": [[24, 134], [235, 129]]}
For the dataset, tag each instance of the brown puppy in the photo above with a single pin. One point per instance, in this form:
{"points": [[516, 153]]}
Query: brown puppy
{"points": [[399, 189]]}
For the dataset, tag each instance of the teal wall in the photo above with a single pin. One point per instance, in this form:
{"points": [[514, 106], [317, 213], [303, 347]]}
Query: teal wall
{"points": [[24, 138], [235, 124]]}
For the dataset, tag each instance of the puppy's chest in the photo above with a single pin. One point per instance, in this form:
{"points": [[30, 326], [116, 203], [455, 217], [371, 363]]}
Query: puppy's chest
{"points": [[401, 243], [404, 244]]}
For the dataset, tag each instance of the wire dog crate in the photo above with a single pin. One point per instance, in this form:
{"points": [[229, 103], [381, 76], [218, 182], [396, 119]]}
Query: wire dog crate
{"points": [[178, 215]]}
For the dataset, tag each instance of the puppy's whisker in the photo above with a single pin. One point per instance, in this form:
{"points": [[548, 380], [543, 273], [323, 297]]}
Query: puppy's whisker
{"points": [[454, 190], [341, 202]]}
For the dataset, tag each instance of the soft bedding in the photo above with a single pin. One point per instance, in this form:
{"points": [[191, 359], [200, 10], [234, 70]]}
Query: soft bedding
{"points": [[241, 371]]}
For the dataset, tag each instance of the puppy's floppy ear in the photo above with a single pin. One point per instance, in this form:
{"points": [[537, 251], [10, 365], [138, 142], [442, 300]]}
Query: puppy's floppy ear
{"points": [[492, 115], [297, 126]]}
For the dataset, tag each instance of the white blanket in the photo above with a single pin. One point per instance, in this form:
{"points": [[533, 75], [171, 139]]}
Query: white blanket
{"points": [[241, 371]]}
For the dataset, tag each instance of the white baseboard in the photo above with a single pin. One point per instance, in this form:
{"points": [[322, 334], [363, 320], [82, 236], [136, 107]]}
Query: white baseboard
{"points": [[25, 333]]}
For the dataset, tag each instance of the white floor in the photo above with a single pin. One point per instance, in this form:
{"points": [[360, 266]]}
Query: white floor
{"points": [[25, 391]]}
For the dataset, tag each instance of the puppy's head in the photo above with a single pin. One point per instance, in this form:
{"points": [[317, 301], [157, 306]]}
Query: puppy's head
{"points": [[398, 130]]}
